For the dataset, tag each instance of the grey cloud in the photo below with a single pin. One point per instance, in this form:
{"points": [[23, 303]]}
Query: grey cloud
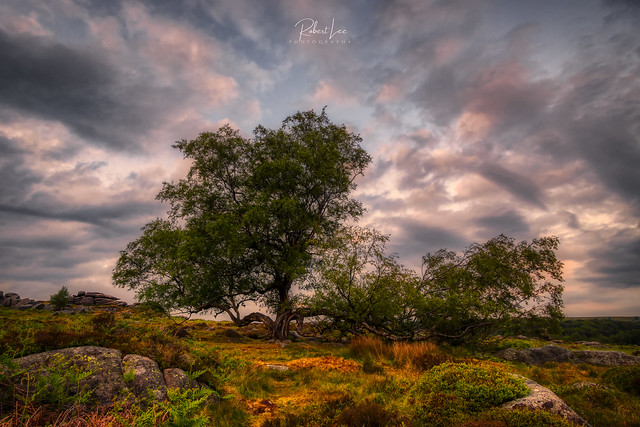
{"points": [[75, 86], [510, 223], [111, 216], [518, 185], [616, 264], [419, 238], [16, 177]]}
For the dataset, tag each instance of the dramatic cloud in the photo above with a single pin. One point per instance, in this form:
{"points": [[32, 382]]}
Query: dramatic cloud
{"points": [[482, 118]]}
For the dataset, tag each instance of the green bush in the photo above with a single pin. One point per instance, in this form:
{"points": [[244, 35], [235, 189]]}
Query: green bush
{"points": [[624, 378], [451, 392], [60, 299]]}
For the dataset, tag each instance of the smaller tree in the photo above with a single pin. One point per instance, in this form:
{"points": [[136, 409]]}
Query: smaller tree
{"points": [[459, 296], [60, 299], [358, 288], [488, 286]]}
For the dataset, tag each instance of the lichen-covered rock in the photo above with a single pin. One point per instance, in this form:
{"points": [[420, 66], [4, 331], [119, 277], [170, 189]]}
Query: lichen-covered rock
{"points": [[537, 356], [552, 353], [541, 398], [177, 378], [147, 377], [605, 358], [102, 364]]}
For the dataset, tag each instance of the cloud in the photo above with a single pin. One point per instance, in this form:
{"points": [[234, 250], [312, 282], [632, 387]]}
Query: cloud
{"points": [[49, 80], [518, 185]]}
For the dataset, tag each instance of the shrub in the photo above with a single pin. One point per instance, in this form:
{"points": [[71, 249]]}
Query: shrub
{"points": [[624, 378], [60, 299], [451, 391]]}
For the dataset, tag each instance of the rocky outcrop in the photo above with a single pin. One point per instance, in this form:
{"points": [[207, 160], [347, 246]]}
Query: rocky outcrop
{"points": [[95, 298], [543, 399], [552, 353], [106, 374], [85, 299], [604, 358], [537, 356]]}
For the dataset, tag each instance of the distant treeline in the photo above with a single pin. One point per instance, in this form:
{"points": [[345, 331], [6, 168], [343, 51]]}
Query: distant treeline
{"points": [[605, 330]]}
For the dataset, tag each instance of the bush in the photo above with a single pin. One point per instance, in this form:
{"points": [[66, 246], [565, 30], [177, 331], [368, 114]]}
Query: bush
{"points": [[624, 378], [450, 392], [60, 299]]}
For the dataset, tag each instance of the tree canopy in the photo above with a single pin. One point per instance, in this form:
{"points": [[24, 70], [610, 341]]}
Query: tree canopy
{"points": [[244, 223], [458, 295], [257, 219]]}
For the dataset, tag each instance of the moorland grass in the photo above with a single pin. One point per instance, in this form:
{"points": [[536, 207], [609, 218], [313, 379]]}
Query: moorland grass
{"points": [[368, 382]]}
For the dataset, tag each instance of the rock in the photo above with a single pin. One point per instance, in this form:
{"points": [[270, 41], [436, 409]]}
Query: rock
{"points": [[84, 301], [581, 385], [541, 398], [605, 358], [522, 337], [80, 293], [589, 343], [6, 302], [177, 378], [39, 306], [274, 367], [106, 369], [537, 356], [25, 304], [105, 380], [11, 294], [231, 333], [148, 378]]}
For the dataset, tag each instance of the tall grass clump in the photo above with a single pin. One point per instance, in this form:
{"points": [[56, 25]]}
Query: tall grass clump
{"points": [[367, 346], [418, 355]]}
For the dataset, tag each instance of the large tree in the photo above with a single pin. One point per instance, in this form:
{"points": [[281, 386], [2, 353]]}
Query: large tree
{"points": [[245, 222]]}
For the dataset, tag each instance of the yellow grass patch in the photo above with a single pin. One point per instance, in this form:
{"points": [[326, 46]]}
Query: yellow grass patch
{"points": [[325, 363]]}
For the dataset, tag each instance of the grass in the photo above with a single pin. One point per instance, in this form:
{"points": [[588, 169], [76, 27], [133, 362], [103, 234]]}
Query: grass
{"points": [[368, 382]]}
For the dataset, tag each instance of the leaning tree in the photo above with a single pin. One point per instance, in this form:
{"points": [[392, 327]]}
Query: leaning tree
{"points": [[245, 223]]}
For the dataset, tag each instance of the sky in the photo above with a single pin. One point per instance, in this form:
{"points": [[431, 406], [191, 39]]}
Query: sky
{"points": [[483, 117]]}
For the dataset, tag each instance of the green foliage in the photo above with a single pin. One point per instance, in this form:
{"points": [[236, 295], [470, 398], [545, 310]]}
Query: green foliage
{"points": [[60, 299], [451, 391], [489, 285], [519, 418], [624, 378], [603, 407], [611, 331], [460, 297], [244, 223], [359, 288]]}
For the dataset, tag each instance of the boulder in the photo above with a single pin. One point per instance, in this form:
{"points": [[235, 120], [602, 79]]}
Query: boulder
{"points": [[232, 333], [605, 358], [552, 353], [11, 294], [177, 378], [148, 379], [83, 300], [105, 366], [541, 398], [105, 374], [537, 356], [25, 304]]}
